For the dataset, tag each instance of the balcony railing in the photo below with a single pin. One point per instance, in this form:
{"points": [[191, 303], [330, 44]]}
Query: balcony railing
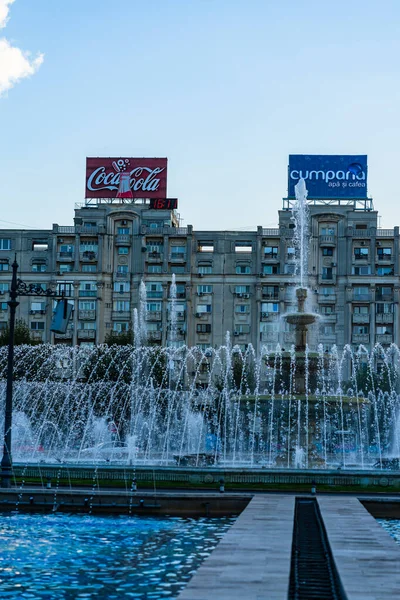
{"points": [[123, 239], [88, 256], [385, 233], [177, 258], [384, 318], [384, 338], [173, 231], [360, 338], [269, 232], [327, 240], [87, 293], [154, 335], [64, 336], [74, 229], [65, 256], [362, 297], [87, 315], [155, 257], [86, 334], [360, 318], [154, 316], [120, 314]]}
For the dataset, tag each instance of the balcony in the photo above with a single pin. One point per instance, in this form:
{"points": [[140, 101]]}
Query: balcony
{"points": [[271, 297], [360, 338], [37, 335], [362, 233], [122, 275], [154, 336], [65, 256], [384, 338], [153, 316], [360, 318], [123, 239], [177, 258], [388, 233], [327, 298], [384, 297], [64, 336], [329, 318], [87, 293], [362, 297], [87, 315], [120, 314], [268, 258], [268, 336], [88, 256], [384, 318], [155, 257], [268, 316], [154, 295], [86, 334], [327, 240]]}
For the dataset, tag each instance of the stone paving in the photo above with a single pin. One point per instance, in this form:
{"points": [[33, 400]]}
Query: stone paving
{"points": [[367, 558], [252, 561]]}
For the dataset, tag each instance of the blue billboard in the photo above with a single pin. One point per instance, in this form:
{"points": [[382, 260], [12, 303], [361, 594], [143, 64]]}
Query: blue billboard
{"points": [[329, 176]]}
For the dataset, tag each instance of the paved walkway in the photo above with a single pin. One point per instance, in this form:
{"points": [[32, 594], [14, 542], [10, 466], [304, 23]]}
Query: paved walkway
{"points": [[252, 561], [368, 560]]}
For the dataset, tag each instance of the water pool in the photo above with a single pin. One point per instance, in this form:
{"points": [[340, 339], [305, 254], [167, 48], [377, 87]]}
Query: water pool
{"points": [[392, 526], [80, 556]]}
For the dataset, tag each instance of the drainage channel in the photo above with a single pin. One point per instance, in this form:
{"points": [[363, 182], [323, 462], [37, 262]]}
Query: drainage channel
{"points": [[313, 572]]}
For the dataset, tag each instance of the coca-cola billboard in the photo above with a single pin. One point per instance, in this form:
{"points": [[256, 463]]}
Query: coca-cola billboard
{"points": [[148, 177]]}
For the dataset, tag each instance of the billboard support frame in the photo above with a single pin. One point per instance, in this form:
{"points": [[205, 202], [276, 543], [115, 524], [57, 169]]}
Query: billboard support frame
{"points": [[359, 204]]}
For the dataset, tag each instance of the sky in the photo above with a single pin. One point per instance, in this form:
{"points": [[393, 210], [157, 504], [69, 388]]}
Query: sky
{"points": [[226, 89]]}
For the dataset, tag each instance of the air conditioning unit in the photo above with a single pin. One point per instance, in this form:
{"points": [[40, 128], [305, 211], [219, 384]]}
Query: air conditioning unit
{"points": [[239, 295], [124, 222], [246, 295], [362, 244], [61, 240], [200, 274], [333, 265], [201, 293], [197, 315], [235, 333], [265, 314]]}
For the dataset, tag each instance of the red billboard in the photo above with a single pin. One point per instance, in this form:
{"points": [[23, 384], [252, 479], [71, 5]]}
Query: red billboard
{"points": [[148, 177]]}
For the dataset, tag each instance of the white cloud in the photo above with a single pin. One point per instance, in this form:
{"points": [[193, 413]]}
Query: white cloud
{"points": [[15, 64]]}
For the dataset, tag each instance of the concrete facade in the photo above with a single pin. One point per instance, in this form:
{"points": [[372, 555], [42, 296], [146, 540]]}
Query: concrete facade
{"points": [[228, 281]]}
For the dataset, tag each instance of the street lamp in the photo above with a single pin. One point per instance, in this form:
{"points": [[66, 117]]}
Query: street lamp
{"points": [[18, 288]]}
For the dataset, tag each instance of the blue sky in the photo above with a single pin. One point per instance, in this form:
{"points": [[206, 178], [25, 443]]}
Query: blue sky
{"points": [[226, 89]]}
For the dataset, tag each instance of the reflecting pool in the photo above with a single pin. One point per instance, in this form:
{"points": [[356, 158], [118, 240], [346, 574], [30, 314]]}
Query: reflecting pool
{"points": [[392, 526], [80, 556]]}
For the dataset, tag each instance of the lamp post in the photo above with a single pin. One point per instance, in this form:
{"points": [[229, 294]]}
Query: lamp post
{"points": [[18, 288]]}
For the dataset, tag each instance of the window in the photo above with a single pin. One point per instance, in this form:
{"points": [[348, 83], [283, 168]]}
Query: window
{"points": [[361, 253], [87, 305], [123, 286], [37, 326], [243, 270], [327, 309], [154, 306], [361, 292], [384, 253], [361, 270], [203, 328], [361, 226], [384, 271], [66, 288], [89, 247], [242, 328], [384, 308], [327, 273], [384, 292], [271, 251], [180, 290], [4, 265], [87, 288], [204, 289], [178, 251], [327, 291], [155, 247], [38, 267], [203, 308], [123, 250], [291, 253], [120, 327], [154, 290], [3, 287], [361, 329], [121, 305], [67, 268], [242, 289], [384, 329], [205, 269], [245, 247], [89, 224], [270, 291], [205, 247], [178, 270], [327, 251], [271, 269], [328, 329], [3, 325], [290, 269], [153, 269], [122, 269], [361, 310], [38, 307], [123, 231], [328, 230], [242, 308], [87, 325], [3, 306], [5, 244], [270, 307], [89, 269], [66, 249]]}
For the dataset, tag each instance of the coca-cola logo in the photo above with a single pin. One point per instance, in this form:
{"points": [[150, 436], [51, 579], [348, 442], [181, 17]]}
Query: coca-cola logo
{"points": [[147, 177]]}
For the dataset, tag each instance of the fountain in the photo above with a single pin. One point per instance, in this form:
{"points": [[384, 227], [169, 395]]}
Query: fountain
{"points": [[147, 405]]}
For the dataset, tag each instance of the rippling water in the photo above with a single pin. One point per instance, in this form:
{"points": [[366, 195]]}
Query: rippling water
{"points": [[80, 556], [392, 526]]}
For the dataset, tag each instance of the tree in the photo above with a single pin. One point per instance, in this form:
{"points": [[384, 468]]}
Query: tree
{"points": [[122, 338], [22, 334]]}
